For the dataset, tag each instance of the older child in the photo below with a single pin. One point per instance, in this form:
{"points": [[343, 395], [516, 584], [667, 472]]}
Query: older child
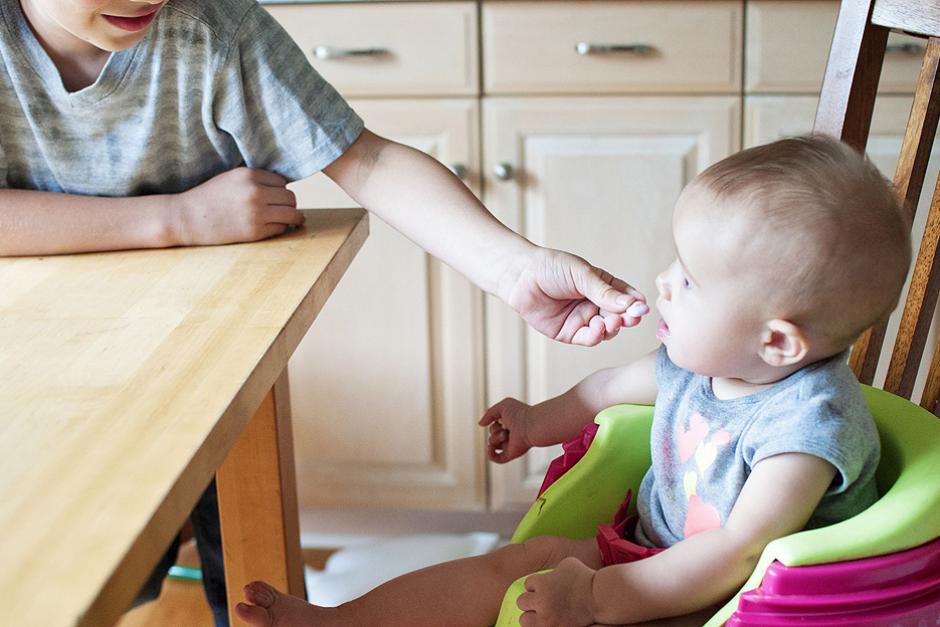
{"points": [[152, 123], [785, 253]]}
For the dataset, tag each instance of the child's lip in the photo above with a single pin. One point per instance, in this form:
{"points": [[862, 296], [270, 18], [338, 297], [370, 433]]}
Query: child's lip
{"points": [[135, 22], [662, 329]]}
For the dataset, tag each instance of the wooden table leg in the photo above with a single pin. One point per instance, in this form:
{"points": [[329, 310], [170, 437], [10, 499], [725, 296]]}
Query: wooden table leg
{"points": [[258, 503]]}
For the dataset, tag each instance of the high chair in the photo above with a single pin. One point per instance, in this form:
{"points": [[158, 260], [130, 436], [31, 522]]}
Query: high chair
{"points": [[881, 567]]}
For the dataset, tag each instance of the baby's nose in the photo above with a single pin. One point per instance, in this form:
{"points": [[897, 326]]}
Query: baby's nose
{"points": [[662, 285]]}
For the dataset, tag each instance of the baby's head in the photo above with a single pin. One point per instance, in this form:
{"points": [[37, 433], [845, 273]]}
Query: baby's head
{"points": [[786, 253]]}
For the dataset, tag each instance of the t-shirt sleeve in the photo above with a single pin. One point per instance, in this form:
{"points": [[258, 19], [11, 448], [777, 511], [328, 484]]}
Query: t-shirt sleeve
{"points": [[817, 422], [281, 113]]}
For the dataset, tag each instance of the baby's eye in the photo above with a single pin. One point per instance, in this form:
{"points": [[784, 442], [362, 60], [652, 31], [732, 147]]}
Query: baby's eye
{"points": [[686, 283]]}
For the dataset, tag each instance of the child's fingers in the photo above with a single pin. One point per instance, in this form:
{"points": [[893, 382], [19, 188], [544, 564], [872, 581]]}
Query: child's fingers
{"points": [[266, 177], [270, 230], [283, 215], [492, 414], [612, 323], [280, 196], [590, 334]]}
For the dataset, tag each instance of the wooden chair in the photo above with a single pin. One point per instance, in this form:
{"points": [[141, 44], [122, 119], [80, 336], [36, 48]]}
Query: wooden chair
{"points": [[845, 110], [859, 571]]}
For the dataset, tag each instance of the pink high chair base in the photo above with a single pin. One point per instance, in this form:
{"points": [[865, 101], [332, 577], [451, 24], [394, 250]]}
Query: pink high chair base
{"points": [[897, 590]]}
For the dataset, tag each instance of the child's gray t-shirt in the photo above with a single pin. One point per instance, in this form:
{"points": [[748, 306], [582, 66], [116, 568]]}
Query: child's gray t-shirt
{"points": [[704, 448], [212, 86]]}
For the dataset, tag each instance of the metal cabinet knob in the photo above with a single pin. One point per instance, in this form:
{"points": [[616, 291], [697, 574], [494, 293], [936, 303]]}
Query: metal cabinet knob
{"points": [[503, 171], [459, 170]]}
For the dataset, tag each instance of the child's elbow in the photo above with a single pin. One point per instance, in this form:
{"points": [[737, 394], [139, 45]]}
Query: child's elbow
{"points": [[742, 558]]}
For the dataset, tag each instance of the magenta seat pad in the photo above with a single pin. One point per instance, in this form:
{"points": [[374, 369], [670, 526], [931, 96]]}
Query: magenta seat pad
{"points": [[897, 590]]}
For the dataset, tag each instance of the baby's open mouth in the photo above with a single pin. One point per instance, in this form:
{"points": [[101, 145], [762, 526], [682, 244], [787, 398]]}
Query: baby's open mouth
{"points": [[662, 329]]}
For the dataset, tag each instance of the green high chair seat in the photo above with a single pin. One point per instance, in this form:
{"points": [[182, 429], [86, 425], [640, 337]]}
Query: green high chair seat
{"points": [[907, 514]]}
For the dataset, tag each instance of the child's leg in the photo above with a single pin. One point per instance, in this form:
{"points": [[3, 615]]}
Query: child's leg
{"points": [[463, 592]]}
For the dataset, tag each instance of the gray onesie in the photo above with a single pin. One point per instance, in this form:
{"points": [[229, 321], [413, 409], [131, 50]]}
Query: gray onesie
{"points": [[704, 448]]}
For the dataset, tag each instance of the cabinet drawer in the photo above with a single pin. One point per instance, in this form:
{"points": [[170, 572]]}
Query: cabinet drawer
{"points": [[610, 47], [389, 49], [788, 45]]}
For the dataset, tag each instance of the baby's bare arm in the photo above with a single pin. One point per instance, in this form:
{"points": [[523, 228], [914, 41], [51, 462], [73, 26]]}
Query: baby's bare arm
{"points": [[515, 427], [778, 499], [561, 418], [236, 206]]}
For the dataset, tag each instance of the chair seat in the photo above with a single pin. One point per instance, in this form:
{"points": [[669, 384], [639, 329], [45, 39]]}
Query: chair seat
{"points": [[884, 545], [895, 589]]}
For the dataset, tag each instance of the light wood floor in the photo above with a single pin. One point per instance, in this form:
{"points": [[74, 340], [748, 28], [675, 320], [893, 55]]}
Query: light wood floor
{"points": [[183, 604]]}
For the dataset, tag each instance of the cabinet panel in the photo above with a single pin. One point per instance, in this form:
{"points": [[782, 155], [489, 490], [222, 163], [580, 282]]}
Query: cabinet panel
{"points": [[389, 49], [387, 386], [788, 45], [602, 186], [530, 47], [768, 118]]}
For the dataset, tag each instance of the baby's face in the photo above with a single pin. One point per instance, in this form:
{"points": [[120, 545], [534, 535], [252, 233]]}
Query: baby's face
{"points": [[711, 318], [106, 24]]}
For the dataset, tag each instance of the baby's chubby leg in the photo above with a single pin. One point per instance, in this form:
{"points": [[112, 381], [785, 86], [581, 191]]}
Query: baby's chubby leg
{"points": [[466, 592]]}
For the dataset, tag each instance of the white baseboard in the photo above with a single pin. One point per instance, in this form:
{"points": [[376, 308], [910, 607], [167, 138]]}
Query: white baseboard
{"points": [[329, 528]]}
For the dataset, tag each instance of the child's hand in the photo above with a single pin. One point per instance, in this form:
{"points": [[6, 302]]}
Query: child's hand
{"points": [[560, 598], [241, 205], [564, 297], [508, 421]]}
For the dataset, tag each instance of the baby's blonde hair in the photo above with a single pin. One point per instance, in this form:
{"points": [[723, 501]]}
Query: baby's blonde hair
{"points": [[833, 237]]}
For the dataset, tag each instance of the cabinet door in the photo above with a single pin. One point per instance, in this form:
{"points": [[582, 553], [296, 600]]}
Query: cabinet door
{"points": [[387, 386], [768, 118], [597, 177]]}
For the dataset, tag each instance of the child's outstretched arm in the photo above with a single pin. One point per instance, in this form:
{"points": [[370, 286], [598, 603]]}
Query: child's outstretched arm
{"points": [[778, 499], [560, 295], [515, 426], [240, 205]]}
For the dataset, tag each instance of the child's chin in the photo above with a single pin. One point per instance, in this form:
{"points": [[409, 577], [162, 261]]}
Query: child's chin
{"points": [[677, 357]]}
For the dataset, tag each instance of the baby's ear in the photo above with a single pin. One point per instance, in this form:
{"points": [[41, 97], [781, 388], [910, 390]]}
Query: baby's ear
{"points": [[782, 343]]}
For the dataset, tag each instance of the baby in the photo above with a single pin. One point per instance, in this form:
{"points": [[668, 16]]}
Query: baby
{"points": [[785, 253]]}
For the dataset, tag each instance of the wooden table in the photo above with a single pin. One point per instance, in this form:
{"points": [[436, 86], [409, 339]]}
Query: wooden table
{"points": [[126, 380]]}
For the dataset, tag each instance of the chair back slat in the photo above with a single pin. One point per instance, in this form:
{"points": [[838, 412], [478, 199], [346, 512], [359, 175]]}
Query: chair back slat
{"points": [[930, 399], [845, 111], [920, 132], [909, 179], [850, 82], [918, 309], [846, 103], [916, 16]]}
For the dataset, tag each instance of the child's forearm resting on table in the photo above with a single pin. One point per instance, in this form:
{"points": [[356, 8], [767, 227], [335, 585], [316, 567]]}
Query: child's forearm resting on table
{"points": [[239, 205], [49, 223], [561, 418], [778, 499]]}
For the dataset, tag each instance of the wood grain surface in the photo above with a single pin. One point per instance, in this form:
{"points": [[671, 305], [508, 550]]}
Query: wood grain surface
{"points": [[125, 378]]}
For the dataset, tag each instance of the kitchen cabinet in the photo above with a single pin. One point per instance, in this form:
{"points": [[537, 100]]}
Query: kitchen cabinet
{"points": [[577, 124]]}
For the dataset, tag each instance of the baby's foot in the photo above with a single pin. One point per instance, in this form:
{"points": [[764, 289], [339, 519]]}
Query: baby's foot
{"points": [[267, 607]]}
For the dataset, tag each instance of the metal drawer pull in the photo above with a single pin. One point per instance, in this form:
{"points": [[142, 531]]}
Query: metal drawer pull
{"points": [[641, 50], [503, 171], [908, 48], [329, 52]]}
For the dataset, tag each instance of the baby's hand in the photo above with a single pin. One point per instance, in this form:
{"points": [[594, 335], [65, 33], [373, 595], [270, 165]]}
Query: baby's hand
{"points": [[508, 421], [560, 597], [241, 205]]}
